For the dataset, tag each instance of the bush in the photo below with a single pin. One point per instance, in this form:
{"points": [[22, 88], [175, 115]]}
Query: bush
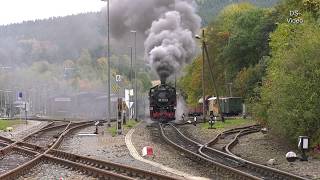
{"points": [[290, 96]]}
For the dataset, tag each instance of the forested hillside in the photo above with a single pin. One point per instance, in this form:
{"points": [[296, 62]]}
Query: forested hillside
{"points": [[210, 8], [60, 38], [64, 52], [53, 40], [270, 57]]}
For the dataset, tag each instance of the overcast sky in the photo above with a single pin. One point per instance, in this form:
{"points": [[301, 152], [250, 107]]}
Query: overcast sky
{"points": [[13, 11]]}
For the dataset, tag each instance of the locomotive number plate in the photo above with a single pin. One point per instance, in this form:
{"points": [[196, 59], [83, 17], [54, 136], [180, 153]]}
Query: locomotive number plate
{"points": [[163, 100]]}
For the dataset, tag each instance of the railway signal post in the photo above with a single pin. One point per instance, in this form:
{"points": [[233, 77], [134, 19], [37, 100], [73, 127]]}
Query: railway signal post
{"points": [[212, 121], [119, 117]]}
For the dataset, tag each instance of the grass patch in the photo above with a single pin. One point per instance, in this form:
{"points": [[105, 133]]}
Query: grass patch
{"points": [[129, 124], [228, 123], [112, 130], [8, 123]]}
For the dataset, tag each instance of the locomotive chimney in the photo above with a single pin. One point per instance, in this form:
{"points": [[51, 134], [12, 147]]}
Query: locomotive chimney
{"points": [[163, 80]]}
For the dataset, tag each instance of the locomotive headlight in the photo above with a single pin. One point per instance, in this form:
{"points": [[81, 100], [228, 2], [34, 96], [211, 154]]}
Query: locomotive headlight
{"points": [[151, 108]]}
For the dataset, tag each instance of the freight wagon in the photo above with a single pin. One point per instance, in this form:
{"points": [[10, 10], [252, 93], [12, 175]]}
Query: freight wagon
{"points": [[230, 106]]}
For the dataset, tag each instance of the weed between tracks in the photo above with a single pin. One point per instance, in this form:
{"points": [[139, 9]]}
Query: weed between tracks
{"points": [[7, 123], [113, 129], [229, 123]]}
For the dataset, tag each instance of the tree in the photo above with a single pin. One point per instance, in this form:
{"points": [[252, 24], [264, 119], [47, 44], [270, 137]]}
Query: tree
{"points": [[145, 81], [290, 93], [189, 84], [237, 42], [248, 79]]}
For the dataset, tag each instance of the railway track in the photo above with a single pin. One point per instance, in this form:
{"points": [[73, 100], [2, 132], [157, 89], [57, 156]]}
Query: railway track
{"points": [[46, 137], [50, 155], [223, 140], [222, 159]]}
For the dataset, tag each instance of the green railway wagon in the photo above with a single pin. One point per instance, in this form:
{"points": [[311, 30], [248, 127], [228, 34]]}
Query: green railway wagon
{"points": [[231, 105]]}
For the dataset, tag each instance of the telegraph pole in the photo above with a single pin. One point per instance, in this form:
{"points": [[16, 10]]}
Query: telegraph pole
{"points": [[203, 92], [214, 82], [205, 52], [135, 76], [109, 94], [131, 84], [108, 64]]}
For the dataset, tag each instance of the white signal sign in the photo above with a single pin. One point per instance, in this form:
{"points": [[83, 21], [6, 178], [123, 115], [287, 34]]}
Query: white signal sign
{"points": [[118, 78]]}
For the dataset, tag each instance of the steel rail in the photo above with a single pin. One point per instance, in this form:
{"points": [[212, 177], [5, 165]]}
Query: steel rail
{"points": [[111, 166], [276, 173], [258, 170], [93, 167], [8, 148], [221, 168], [89, 170], [24, 168], [234, 163]]}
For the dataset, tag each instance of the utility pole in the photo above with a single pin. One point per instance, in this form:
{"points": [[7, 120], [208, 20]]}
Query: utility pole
{"points": [[135, 76], [203, 91], [214, 82], [131, 84], [1, 101], [205, 52], [230, 88], [109, 94], [108, 64]]}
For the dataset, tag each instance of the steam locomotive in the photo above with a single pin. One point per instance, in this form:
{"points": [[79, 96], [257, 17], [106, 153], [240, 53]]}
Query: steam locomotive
{"points": [[163, 102]]}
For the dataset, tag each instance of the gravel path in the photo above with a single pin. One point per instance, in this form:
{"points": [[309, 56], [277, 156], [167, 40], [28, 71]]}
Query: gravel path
{"points": [[167, 155], [104, 147], [50, 171]]}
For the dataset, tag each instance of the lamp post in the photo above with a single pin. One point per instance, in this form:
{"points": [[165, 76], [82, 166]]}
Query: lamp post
{"points": [[1, 101], [131, 86], [202, 76], [135, 75], [108, 63]]}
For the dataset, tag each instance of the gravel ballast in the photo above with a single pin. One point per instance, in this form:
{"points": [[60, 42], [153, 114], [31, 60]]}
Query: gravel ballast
{"points": [[51, 171], [104, 147], [11, 161], [260, 148], [167, 155]]}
